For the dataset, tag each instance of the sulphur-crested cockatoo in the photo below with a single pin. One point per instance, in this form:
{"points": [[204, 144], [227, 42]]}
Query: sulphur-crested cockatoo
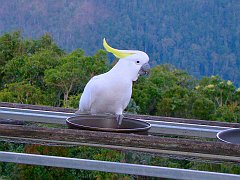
{"points": [[111, 92]]}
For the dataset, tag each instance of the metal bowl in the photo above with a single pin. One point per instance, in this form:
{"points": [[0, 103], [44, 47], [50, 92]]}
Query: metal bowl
{"points": [[229, 136], [108, 124]]}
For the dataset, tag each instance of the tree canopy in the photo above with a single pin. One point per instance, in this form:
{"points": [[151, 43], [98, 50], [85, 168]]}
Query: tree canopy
{"points": [[42, 73]]}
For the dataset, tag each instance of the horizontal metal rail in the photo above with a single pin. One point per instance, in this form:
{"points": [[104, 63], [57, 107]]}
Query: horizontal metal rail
{"points": [[114, 167], [160, 127], [34, 115]]}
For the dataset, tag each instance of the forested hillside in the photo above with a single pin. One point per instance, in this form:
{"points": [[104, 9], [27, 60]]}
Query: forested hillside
{"points": [[201, 36]]}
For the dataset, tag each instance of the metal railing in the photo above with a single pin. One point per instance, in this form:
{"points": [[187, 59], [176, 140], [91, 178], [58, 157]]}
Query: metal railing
{"points": [[114, 167], [163, 127], [173, 128]]}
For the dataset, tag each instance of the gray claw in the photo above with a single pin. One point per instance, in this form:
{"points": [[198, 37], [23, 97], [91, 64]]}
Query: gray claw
{"points": [[119, 119]]}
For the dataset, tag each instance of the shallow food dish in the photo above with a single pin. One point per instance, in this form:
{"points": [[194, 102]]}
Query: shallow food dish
{"points": [[108, 124], [230, 136]]}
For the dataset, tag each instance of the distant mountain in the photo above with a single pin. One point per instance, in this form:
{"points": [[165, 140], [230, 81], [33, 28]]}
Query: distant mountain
{"points": [[200, 36]]}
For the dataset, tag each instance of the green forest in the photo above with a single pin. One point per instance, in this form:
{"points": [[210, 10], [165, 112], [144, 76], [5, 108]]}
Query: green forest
{"points": [[39, 72], [200, 36]]}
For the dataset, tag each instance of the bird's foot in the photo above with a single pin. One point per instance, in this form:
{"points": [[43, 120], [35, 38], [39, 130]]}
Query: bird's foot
{"points": [[79, 112], [119, 119]]}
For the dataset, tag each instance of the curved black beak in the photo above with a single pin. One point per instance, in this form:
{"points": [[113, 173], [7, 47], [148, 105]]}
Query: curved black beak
{"points": [[145, 69]]}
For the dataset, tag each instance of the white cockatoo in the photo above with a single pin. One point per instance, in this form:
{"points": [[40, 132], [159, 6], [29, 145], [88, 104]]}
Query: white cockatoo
{"points": [[111, 92]]}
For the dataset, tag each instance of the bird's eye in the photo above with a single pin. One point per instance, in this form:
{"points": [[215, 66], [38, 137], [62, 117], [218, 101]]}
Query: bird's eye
{"points": [[138, 62]]}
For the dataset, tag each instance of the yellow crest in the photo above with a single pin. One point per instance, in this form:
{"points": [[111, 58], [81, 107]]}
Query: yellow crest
{"points": [[118, 53]]}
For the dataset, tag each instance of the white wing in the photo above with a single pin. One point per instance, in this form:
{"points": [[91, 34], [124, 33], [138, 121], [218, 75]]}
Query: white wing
{"points": [[87, 97], [106, 93]]}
